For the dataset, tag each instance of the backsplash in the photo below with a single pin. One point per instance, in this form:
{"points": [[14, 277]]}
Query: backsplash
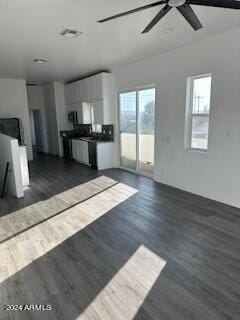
{"points": [[83, 130], [107, 132], [104, 132]]}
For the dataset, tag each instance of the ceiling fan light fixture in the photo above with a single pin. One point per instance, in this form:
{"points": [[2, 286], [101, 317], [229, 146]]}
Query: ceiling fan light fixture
{"points": [[184, 7], [176, 3]]}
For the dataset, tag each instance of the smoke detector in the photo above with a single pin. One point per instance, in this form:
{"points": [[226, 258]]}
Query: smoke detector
{"points": [[70, 33]]}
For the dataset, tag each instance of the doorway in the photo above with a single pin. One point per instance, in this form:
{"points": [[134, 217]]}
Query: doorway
{"points": [[137, 123], [36, 130]]}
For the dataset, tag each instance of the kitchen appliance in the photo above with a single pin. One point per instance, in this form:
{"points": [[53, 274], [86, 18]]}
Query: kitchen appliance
{"points": [[92, 152], [73, 117], [67, 149], [67, 143]]}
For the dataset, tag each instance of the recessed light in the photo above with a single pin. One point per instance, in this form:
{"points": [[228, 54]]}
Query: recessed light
{"points": [[70, 33], [167, 30], [40, 60]]}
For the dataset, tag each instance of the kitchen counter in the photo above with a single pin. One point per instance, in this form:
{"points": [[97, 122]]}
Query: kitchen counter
{"points": [[98, 154], [93, 140]]}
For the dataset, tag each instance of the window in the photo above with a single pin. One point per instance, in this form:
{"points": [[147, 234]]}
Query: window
{"points": [[198, 109]]}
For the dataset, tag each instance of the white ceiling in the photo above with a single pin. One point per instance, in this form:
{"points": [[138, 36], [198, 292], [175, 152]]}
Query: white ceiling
{"points": [[30, 29]]}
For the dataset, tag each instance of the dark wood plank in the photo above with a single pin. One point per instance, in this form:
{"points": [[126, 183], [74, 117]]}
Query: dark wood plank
{"points": [[103, 256]]}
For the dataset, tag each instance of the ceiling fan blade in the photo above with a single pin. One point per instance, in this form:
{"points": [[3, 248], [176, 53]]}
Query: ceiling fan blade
{"points": [[188, 13], [229, 4], [157, 18], [148, 6]]}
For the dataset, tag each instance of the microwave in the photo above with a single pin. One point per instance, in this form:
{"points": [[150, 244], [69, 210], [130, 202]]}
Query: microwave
{"points": [[72, 117]]}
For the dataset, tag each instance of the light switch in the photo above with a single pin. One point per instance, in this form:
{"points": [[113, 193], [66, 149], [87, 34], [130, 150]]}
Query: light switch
{"points": [[228, 133]]}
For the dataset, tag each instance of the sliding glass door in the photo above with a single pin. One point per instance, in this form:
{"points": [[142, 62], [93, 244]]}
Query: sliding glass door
{"points": [[137, 119], [128, 129], [146, 111]]}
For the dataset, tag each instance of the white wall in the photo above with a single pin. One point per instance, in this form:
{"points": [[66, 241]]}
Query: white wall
{"points": [[14, 104], [36, 102], [51, 116], [32, 126], [215, 174], [61, 112], [56, 116], [10, 152]]}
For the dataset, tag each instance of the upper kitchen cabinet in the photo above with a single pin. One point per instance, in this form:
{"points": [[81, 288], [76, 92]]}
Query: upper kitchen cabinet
{"points": [[97, 86], [92, 90], [98, 112]]}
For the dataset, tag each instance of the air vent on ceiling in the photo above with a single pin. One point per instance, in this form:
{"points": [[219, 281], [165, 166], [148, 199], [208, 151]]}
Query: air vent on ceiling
{"points": [[40, 60], [69, 33]]}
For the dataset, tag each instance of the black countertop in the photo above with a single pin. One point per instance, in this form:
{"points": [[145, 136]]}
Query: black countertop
{"points": [[92, 140]]}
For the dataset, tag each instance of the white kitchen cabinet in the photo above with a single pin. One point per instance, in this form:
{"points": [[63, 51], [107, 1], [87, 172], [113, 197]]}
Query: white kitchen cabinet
{"points": [[80, 151], [89, 90], [79, 92], [86, 113], [98, 116], [74, 92], [96, 90], [105, 155], [97, 87]]}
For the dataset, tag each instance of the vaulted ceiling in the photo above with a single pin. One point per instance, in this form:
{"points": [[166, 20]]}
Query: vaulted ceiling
{"points": [[30, 29]]}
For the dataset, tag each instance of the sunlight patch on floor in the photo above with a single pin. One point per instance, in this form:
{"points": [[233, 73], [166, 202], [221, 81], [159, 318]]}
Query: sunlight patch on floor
{"points": [[24, 218], [127, 290], [23, 249]]}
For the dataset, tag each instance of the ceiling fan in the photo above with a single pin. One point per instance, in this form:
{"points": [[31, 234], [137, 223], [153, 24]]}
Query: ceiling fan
{"points": [[183, 6]]}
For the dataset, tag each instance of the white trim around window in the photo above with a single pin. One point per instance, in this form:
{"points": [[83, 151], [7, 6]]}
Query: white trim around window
{"points": [[197, 114]]}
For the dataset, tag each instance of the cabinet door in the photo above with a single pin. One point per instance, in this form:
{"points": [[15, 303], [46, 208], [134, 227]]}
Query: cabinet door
{"points": [[66, 94], [86, 113], [80, 112], [74, 92], [82, 151], [71, 92], [74, 149], [98, 87], [88, 89], [105, 155], [85, 156], [84, 90], [78, 91], [98, 112]]}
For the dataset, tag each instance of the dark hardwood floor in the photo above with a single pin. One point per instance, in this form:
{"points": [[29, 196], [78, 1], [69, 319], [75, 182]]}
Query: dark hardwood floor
{"points": [[115, 245]]}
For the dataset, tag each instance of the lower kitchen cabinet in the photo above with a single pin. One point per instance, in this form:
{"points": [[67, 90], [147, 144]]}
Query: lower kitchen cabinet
{"points": [[105, 155], [101, 154], [80, 151]]}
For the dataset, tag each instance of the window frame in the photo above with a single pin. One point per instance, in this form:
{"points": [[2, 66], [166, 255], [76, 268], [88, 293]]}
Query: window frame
{"points": [[190, 115]]}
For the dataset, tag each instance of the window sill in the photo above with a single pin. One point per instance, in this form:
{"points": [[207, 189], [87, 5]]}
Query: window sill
{"points": [[203, 151]]}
